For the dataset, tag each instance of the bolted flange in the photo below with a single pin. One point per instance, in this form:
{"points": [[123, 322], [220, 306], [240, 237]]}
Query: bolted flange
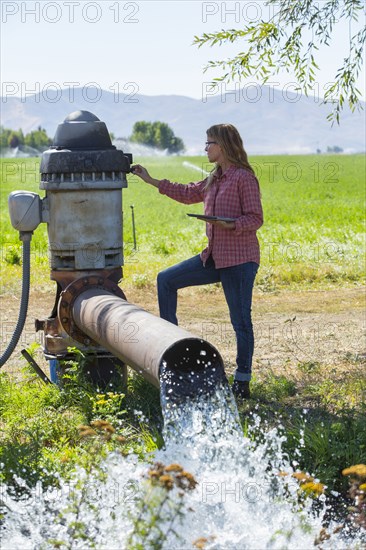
{"points": [[68, 297]]}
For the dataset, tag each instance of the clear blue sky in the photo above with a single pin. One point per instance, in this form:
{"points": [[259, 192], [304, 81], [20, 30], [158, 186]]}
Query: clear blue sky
{"points": [[132, 47]]}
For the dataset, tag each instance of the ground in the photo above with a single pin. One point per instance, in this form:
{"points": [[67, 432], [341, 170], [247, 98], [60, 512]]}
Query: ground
{"points": [[296, 330]]}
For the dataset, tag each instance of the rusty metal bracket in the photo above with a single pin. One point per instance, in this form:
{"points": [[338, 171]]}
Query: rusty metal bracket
{"points": [[68, 297]]}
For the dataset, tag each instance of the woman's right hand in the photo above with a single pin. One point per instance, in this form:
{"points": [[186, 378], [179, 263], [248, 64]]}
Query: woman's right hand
{"points": [[141, 172]]}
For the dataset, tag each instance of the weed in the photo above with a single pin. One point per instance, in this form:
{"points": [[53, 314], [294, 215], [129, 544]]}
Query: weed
{"points": [[83, 495], [162, 503], [108, 405], [357, 492], [265, 280], [37, 430], [164, 247], [309, 367], [13, 256], [40, 439], [338, 395], [274, 387], [141, 280]]}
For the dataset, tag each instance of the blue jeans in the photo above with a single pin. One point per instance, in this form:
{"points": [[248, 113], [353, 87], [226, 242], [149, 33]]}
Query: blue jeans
{"points": [[237, 282]]}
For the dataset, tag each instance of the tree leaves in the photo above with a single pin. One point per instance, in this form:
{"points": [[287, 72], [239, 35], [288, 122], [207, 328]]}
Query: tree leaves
{"points": [[156, 134], [279, 44]]}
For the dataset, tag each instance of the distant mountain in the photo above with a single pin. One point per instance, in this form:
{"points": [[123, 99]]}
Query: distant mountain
{"points": [[271, 122]]}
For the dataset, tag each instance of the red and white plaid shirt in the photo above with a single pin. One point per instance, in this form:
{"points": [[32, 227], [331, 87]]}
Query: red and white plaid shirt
{"points": [[235, 194]]}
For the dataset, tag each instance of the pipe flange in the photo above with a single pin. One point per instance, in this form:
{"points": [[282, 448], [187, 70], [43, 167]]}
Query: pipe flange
{"points": [[68, 297]]}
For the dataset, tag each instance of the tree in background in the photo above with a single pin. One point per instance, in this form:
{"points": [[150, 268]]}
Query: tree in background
{"points": [[334, 149], [289, 40], [156, 134], [38, 139], [142, 133], [15, 139], [10, 138]]}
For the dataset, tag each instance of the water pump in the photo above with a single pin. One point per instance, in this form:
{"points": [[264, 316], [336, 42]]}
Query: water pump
{"points": [[83, 175]]}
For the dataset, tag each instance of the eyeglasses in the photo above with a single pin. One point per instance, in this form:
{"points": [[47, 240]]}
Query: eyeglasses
{"points": [[209, 143]]}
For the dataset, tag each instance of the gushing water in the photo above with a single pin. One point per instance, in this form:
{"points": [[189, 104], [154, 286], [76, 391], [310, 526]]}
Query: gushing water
{"points": [[245, 497]]}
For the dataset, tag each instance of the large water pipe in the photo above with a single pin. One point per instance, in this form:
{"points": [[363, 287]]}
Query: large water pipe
{"points": [[161, 352]]}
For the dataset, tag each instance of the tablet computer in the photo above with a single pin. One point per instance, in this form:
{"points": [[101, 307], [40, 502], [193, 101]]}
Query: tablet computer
{"points": [[211, 218]]}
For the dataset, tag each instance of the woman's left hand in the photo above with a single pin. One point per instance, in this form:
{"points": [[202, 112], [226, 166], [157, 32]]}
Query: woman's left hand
{"points": [[224, 225]]}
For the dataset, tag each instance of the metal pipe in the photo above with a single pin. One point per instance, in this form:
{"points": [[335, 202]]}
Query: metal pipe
{"points": [[133, 227], [37, 369], [166, 355]]}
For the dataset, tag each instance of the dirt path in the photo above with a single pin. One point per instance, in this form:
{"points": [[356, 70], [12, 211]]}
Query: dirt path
{"points": [[292, 328]]}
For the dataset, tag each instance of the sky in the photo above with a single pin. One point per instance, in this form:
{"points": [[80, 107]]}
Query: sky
{"points": [[142, 47]]}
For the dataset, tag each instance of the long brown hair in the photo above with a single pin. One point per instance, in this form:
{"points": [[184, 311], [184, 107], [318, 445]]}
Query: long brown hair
{"points": [[228, 137]]}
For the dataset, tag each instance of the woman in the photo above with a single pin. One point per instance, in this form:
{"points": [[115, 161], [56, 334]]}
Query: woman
{"points": [[232, 256]]}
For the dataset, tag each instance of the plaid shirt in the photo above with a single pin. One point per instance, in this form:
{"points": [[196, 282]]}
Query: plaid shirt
{"points": [[235, 194]]}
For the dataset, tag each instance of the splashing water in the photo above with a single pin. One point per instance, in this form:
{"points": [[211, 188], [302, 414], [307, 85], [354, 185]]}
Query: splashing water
{"points": [[242, 501]]}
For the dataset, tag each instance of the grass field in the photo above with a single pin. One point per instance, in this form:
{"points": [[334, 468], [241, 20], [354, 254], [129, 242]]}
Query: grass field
{"points": [[313, 232], [309, 366]]}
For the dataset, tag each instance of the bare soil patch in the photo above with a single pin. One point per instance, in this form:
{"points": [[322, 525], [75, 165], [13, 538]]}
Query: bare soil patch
{"points": [[292, 328]]}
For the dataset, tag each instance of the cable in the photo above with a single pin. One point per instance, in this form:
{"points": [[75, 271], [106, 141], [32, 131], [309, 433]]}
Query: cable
{"points": [[26, 238]]}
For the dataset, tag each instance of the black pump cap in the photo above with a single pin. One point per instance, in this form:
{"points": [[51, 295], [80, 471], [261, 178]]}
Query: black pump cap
{"points": [[81, 116], [82, 130]]}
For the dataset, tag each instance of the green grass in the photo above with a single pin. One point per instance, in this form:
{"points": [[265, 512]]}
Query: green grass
{"points": [[313, 232], [46, 431], [313, 236], [321, 412], [41, 438]]}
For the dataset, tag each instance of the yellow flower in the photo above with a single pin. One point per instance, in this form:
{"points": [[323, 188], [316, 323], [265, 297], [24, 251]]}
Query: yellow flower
{"points": [[167, 482], [302, 476], [323, 536], [174, 468], [103, 425], [185, 480], [113, 395], [358, 470], [313, 488], [86, 431], [202, 541]]}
